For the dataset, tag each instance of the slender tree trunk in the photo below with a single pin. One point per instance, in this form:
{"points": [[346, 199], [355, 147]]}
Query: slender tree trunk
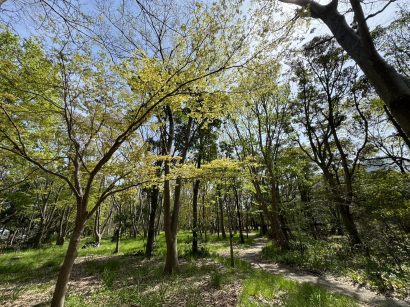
{"points": [[12, 237], [170, 260], [151, 225], [238, 213], [117, 239], [40, 233], [263, 226], [247, 222], [231, 247], [66, 268], [97, 233], [217, 223], [170, 220], [159, 227], [62, 229], [221, 213], [195, 217], [203, 224]]}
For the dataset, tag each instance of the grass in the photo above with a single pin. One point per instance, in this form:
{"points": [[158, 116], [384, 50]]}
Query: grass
{"points": [[263, 289], [103, 279], [336, 256]]}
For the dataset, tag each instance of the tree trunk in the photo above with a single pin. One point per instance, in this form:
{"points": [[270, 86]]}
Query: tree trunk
{"points": [[65, 271], [221, 213], [238, 213], [277, 231], [263, 227], [203, 223], [262, 203], [171, 260], [117, 239], [40, 233], [97, 233], [195, 217], [62, 229], [217, 223], [12, 237], [159, 227], [151, 226], [170, 223], [231, 247], [349, 223]]}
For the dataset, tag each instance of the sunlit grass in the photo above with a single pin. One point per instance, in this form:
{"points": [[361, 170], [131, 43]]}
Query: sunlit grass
{"points": [[129, 279], [262, 288]]}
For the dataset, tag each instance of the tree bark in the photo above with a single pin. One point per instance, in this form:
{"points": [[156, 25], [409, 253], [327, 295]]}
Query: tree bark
{"points": [[97, 233], [117, 239], [66, 268], [221, 213], [151, 225], [348, 222], [170, 223], [195, 217], [231, 247], [277, 231], [238, 214]]}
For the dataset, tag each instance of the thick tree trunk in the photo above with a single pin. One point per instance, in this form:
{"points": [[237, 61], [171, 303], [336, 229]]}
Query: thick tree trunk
{"points": [[262, 203], [171, 260], [65, 270], [151, 225], [277, 231]]}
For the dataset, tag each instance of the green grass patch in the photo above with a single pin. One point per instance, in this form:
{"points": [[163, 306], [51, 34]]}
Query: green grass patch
{"points": [[265, 289], [127, 278]]}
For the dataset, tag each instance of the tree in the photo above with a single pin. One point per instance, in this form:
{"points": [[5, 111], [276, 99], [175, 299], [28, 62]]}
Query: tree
{"points": [[261, 132], [324, 84], [392, 86]]}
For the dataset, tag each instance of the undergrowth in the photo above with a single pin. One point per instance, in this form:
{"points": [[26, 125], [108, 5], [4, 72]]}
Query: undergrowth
{"points": [[337, 257], [101, 278]]}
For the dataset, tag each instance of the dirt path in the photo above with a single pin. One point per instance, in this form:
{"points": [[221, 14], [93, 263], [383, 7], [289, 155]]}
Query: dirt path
{"points": [[331, 283]]}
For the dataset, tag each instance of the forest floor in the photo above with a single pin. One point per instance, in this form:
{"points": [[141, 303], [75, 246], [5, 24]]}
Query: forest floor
{"points": [[101, 278], [253, 255]]}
